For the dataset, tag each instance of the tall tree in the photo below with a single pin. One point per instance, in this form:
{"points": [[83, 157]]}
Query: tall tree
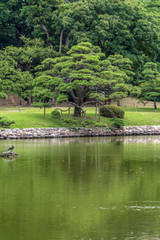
{"points": [[39, 13], [13, 24], [150, 86], [116, 26], [13, 79], [17, 66], [80, 74]]}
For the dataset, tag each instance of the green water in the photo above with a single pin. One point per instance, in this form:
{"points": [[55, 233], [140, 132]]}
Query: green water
{"points": [[81, 189]]}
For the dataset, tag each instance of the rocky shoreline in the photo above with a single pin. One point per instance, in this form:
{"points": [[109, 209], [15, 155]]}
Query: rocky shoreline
{"points": [[33, 133]]}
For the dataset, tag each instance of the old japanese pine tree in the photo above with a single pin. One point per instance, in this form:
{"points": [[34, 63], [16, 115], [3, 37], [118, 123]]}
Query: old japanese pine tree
{"points": [[82, 74], [150, 84]]}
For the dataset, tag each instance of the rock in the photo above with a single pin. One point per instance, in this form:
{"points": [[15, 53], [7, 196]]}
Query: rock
{"points": [[9, 154], [32, 133]]}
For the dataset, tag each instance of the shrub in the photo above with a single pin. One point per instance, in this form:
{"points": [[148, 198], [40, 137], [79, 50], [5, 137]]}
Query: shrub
{"points": [[4, 122], [88, 123], [56, 114], [118, 112], [117, 123], [71, 121], [100, 124]]}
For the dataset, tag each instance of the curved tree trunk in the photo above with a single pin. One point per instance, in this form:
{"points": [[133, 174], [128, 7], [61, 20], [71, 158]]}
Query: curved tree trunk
{"points": [[47, 34]]}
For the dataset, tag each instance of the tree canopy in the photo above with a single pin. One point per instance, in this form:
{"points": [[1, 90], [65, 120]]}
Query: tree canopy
{"points": [[43, 39], [151, 83], [80, 76]]}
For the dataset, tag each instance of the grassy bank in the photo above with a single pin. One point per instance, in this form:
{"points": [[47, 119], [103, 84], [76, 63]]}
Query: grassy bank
{"points": [[33, 117]]}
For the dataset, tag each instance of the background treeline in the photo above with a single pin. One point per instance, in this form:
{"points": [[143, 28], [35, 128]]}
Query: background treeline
{"points": [[34, 30]]}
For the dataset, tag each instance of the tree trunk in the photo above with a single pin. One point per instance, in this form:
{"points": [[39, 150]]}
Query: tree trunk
{"points": [[67, 42], [77, 112], [47, 34], [60, 41], [30, 101], [118, 103], [44, 112], [69, 112], [99, 113], [19, 40], [19, 32], [155, 105], [84, 115], [96, 113]]}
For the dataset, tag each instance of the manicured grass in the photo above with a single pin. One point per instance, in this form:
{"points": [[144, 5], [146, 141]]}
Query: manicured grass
{"points": [[135, 117], [33, 117], [142, 109], [142, 118]]}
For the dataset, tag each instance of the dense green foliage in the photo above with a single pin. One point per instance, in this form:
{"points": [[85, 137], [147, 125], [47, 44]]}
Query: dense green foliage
{"points": [[4, 122], [151, 83], [80, 51], [117, 123], [81, 75], [71, 122], [56, 114], [111, 111]]}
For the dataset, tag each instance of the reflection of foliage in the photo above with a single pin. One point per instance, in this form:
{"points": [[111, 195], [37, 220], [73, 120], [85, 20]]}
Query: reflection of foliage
{"points": [[93, 182]]}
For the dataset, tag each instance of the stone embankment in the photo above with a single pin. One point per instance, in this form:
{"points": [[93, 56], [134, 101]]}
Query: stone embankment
{"points": [[31, 133]]}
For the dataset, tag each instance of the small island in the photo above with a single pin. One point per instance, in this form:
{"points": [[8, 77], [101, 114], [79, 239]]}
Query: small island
{"points": [[9, 154]]}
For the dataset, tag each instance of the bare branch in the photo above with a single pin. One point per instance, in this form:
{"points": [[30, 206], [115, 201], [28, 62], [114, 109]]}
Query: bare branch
{"points": [[85, 103], [112, 113]]}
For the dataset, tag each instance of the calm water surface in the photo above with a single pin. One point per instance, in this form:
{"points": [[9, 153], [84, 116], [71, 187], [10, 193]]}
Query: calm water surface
{"points": [[81, 189]]}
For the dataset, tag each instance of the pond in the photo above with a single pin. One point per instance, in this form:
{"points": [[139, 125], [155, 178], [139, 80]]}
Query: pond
{"points": [[81, 189]]}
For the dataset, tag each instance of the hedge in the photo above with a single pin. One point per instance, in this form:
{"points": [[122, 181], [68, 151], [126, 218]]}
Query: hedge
{"points": [[112, 111]]}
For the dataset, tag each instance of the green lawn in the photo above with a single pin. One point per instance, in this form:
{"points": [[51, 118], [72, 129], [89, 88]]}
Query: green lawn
{"points": [[33, 117], [142, 118]]}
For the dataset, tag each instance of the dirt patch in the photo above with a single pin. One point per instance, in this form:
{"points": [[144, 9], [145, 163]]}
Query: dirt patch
{"points": [[132, 102], [12, 101]]}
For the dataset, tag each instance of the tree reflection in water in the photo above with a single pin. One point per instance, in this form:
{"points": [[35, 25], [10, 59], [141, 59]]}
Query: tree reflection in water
{"points": [[81, 188]]}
